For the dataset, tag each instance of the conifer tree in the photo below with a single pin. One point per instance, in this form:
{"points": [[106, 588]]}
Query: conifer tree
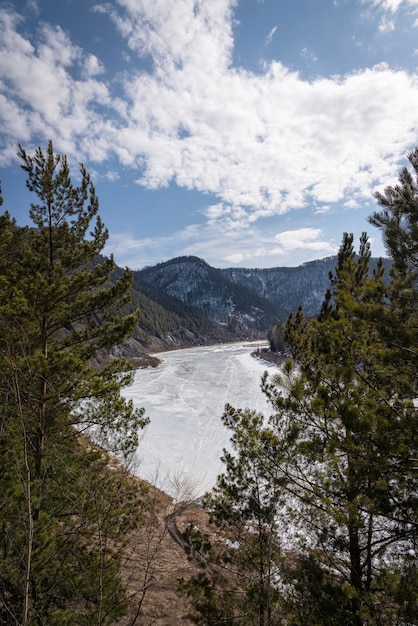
{"points": [[341, 435], [60, 307], [239, 583], [275, 337], [398, 223], [337, 455]]}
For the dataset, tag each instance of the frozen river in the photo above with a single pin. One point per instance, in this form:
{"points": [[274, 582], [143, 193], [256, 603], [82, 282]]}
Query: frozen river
{"points": [[185, 399]]}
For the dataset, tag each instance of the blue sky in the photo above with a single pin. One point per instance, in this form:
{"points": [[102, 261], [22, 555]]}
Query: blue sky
{"points": [[250, 133]]}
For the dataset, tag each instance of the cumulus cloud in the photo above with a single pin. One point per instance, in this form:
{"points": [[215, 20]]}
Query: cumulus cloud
{"points": [[239, 130], [48, 84], [225, 130], [262, 144], [92, 66], [299, 238], [177, 33]]}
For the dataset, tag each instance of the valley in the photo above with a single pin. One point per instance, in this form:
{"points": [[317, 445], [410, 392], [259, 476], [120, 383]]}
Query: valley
{"points": [[186, 303]]}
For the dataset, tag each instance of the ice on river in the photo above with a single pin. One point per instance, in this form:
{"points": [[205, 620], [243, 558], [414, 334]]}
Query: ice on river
{"points": [[185, 399]]}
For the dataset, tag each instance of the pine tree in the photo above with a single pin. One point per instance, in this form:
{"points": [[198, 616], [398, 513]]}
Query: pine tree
{"points": [[275, 337], [352, 425], [243, 567], [398, 222], [60, 307]]}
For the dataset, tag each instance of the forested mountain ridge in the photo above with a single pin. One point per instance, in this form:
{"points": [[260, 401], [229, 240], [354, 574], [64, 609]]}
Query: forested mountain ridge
{"points": [[196, 283], [167, 323], [247, 302], [304, 285], [162, 312]]}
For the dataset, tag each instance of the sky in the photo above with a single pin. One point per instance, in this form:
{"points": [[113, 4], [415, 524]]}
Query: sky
{"points": [[249, 133]]}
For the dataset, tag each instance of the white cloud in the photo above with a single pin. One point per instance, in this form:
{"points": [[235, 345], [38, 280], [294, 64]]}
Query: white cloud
{"points": [[177, 33], [235, 259], [300, 238], [111, 176], [392, 5], [320, 210], [239, 126], [263, 144], [39, 80], [270, 36], [92, 66], [249, 247], [386, 25], [137, 253], [216, 212], [389, 9], [255, 247]]}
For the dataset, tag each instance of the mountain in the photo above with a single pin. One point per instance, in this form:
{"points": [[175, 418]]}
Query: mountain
{"points": [[226, 302], [166, 323], [185, 302], [244, 300], [291, 287], [304, 285]]}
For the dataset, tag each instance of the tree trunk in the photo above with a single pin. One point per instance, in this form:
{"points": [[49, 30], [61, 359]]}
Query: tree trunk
{"points": [[26, 479]]}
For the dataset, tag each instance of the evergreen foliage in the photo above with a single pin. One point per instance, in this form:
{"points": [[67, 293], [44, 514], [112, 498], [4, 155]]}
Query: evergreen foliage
{"points": [[337, 459], [276, 337], [63, 514], [163, 316]]}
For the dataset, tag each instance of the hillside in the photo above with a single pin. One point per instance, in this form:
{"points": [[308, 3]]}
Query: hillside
{"points": [[185, 302], [291, 287], [167, 323], [245, 301], [225, 302]]}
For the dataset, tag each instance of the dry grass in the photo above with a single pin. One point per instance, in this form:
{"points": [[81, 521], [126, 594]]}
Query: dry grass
{"points": [[154, 561]]}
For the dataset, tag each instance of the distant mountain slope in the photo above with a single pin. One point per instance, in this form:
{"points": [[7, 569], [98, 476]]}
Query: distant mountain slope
{"points": [[244, 301], [225, 302], [304, 285], [166, 323], [291, 287], [168, 320]]}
